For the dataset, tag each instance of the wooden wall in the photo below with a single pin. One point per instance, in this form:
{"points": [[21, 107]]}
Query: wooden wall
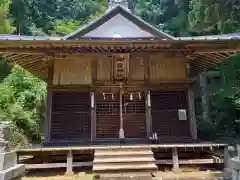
{"points": [[155, 68], [104, 68], [136, 68], [167, 67], [74, 70], [160, 67]]}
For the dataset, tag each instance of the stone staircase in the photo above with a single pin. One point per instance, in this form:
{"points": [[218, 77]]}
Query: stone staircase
{"points": [[124, 158]]}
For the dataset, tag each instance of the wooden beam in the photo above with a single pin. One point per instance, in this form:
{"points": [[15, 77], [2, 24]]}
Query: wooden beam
{"points": [[51, 64], [28, 59], [210, 58], [151, 46], [28, 51], [94, 72], [192, 161], [207, 60], [220, 55], [21, 57], [57, 165], [202, 63], [72, 88]]}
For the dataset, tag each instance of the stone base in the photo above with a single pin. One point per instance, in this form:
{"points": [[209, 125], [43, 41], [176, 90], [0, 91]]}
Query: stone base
{"points": [[7, 160], [227, 173], [125, 176], [13, 172], [235, 168]]}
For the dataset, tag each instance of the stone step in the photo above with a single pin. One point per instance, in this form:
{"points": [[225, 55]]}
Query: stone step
{"points": [[123, 159], [124, 166], [125, 156], [121, 153], [12, 172], [125, 148], [125, 176]]}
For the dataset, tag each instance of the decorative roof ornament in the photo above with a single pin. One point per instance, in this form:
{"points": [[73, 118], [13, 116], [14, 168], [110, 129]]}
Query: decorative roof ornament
{"points": [[113, 3]]}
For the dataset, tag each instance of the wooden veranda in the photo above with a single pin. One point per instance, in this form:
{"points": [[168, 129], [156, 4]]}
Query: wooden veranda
{"points": [[168, 156]]}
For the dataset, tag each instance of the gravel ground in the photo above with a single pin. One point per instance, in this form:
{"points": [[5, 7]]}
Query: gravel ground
{"points": [[158, 176]]}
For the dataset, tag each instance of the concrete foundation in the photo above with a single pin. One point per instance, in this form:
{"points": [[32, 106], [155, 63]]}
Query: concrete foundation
{"points": [[235, 168], [9, 169]]}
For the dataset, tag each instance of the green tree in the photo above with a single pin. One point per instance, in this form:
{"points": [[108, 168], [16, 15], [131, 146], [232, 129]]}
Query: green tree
{"points": [[214, 17], [22, 102], [5, 26]]}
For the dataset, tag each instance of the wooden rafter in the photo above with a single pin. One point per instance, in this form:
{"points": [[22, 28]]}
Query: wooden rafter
{"points": [[205, 60]]}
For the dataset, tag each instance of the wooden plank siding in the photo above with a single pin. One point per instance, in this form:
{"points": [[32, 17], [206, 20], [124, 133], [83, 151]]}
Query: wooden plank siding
{"points": [[73, 71], [167, 68], [136, 68], [165, 121], [104, 68], [155, 68]]}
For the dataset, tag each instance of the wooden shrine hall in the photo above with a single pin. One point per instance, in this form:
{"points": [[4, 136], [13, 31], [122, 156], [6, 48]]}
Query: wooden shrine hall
{"points": [[118, 77]]}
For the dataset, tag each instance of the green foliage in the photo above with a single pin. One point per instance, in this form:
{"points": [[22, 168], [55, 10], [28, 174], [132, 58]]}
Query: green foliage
{"points": [[5, 68], [51, 17], [5, 26], [22, 102], [214, 17], [62, 27], [224, 98]]}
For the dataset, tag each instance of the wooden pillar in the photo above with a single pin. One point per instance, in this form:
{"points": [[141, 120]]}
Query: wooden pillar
{"points": [[48, 117], [204, 94], [69, 168], [47, 123], [121, 130], [192, 116], [93, 98], [175, 159], [148, 113], [93, 116]]}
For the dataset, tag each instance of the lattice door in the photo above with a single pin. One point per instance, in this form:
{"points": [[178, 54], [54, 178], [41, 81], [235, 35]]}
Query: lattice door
{"points": [[71, 116], [165, 120], [134, 115], [108, 117]]}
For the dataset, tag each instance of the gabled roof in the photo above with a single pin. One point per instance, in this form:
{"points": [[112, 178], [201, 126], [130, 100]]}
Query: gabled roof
{"points": [[112, 13]]}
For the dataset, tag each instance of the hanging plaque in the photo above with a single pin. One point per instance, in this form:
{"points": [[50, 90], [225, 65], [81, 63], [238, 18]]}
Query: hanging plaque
{"points": [[120, 66]]}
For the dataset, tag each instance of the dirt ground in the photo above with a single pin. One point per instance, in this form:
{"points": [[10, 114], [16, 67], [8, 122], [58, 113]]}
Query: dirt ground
{"points": [[207, 175], [57, 176]]}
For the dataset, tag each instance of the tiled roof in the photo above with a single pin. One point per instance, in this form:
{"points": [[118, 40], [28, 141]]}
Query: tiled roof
{"points": [[212, 37], [25, 38]]}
